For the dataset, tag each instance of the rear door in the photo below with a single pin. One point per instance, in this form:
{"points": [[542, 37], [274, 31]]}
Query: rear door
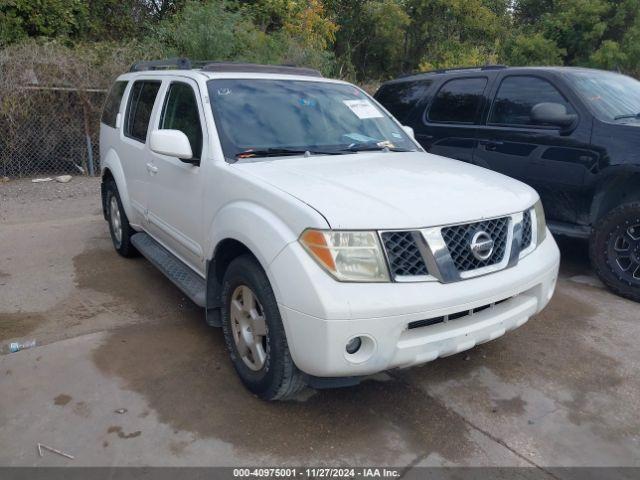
{"points": [[176, 187], [140, 105], [448, 125]]}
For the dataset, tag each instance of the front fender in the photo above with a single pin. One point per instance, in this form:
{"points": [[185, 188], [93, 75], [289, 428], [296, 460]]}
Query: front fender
{"points": [[112, 164], [258, 228]]}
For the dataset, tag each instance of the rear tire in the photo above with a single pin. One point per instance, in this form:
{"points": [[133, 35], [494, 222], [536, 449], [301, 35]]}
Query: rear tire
{"points": [[119, 228], [254, 333], [615, 250]]}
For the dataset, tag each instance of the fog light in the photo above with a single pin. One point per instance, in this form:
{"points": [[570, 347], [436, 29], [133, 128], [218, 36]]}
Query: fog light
{"points": [[353, 345]]}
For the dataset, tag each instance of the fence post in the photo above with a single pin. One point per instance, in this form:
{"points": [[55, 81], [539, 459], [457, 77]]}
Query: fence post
{"points": [[90, 156]]}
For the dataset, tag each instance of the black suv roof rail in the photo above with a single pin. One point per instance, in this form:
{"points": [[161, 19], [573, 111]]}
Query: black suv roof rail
{"points": [[181, 63], [478, 68]]}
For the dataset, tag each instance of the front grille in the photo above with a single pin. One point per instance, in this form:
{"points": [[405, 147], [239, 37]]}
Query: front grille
{"points": [[403, 254], [527, 231], [458, 240]]}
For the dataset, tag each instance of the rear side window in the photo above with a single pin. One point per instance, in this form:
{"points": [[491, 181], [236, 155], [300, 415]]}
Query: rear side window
{"points": [[112, 104], [181, 113], [400, 98], [518, 95], [458, 101], [141, 100]]}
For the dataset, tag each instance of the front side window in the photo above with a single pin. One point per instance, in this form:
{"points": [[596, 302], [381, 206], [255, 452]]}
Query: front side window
{"points": [[112, 104], [259, 117], [458, 101], [611, 96], [180, 112], [518, 95], [143, 96]]}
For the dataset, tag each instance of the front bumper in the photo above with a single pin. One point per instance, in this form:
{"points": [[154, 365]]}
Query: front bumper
{"points": [[320, 315]]}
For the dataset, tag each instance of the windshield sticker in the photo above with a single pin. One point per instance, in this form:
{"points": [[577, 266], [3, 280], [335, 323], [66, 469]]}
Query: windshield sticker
{"points": [[224, 91], [363, 109], [396, 135], [307, 102]]}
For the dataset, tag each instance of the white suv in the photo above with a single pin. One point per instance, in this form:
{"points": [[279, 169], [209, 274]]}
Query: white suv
{"points": [[311, 226]]}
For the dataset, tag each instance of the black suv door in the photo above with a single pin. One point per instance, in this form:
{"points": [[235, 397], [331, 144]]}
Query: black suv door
{"points": [[552, 159], [448, 126]]}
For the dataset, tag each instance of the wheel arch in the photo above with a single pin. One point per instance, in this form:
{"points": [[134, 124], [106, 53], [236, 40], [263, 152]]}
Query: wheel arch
{"points": [[239, 228], [112, 170], [620, 187]]}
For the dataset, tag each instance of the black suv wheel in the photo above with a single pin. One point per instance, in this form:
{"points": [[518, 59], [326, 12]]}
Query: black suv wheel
{"points": [[254, 333], [615, 250]]}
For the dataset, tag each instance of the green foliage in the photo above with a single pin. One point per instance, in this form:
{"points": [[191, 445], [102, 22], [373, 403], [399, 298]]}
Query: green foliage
{"points": [[357, 39], [532, 49], [41, 18]]}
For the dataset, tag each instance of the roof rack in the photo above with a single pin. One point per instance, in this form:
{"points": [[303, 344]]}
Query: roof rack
{"points": [[178, 63], [456, 69], [256, 68], [181, 63], [479, 68]]}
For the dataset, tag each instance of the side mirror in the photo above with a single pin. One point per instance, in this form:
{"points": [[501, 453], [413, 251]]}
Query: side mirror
{"points": [[409, 131], [552, 114], [173, 143]]}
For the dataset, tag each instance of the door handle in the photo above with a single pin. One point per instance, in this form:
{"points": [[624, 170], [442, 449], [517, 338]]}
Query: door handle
{"points": [[490, 144], [152, 169]]}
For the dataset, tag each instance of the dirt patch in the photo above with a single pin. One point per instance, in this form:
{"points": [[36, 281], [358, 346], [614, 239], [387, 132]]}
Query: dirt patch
{"points": [[185, 375], [62, 399], [510, 406], [121, 434], [4, 275], [129, 282], [16, 325]]}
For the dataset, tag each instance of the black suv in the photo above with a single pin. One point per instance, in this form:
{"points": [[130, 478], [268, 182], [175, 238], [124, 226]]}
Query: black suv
{"points": [[571, 133]]}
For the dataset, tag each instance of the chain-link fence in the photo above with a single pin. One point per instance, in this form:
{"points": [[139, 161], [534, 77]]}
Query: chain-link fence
{"points": [[58, 135], [51, 97]]}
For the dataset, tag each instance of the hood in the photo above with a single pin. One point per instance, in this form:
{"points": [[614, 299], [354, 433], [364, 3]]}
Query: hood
{"points": [[393, 190]]}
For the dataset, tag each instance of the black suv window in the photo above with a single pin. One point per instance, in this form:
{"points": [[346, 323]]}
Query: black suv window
{"points": [[458, 101], [112, 104], [141, 100], [400, 98], [516, 97], [180, 112]]}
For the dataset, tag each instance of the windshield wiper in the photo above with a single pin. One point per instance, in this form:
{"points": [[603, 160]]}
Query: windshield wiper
{"points": [[628, 115], [368, 147], [280, 152]]}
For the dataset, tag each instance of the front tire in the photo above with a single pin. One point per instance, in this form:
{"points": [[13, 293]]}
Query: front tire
{"points": [[119, 228], [615, 250], [254, 333]]}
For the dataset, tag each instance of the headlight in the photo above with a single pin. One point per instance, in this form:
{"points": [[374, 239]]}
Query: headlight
{"points": [[348, 256], [541, 223]]}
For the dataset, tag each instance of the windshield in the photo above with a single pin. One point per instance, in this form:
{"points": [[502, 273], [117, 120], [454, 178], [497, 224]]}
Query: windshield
{"points": [[611, 96], [260, 118]]}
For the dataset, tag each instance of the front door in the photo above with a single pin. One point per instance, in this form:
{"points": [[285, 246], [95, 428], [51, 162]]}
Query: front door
{"points": [[176, 187], [549, 159]]}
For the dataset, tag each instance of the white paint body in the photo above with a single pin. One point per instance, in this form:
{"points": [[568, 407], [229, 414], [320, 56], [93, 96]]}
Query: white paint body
{"points": [[267, 204]]}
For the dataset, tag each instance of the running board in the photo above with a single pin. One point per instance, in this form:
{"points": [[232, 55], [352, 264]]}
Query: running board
{"points": [[191, 284]]}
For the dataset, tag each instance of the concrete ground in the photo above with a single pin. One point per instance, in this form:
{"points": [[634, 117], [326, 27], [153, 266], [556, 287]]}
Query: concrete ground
{"points": [[127, 373]]}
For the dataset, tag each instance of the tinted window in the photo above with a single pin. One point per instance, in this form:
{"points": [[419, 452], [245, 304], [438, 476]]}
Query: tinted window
{"points": [[181, 113], [141, 100], [518, 95], [112, 104], [400, 98], [458, 101]]}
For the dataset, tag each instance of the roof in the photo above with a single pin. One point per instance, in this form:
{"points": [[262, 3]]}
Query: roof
{"points": [[472, 70]]}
